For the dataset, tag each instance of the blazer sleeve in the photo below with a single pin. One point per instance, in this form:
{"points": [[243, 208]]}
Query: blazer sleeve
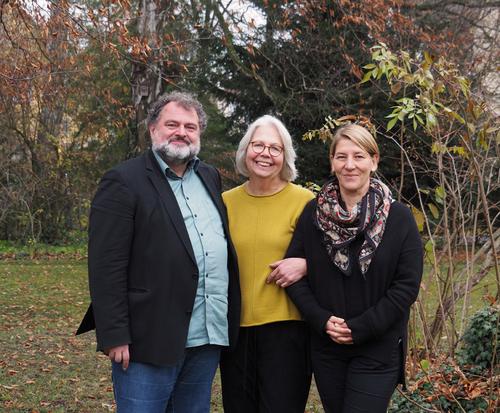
{"points": [[111, 231], [402, 292], [301, 293]]}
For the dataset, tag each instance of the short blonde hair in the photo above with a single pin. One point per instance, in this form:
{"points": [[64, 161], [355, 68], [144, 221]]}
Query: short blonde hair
{"points": [[288, 171], [357, 134]]}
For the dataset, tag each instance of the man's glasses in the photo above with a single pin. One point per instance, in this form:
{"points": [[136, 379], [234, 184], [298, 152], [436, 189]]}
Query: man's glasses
{"points": [[274, 150]]}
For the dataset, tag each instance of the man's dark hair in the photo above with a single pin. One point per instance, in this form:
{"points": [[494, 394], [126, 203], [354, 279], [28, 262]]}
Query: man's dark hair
{"points": [[184, 99]]}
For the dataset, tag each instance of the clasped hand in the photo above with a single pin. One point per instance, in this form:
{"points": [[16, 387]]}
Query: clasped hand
{"points": [[338, 330]]}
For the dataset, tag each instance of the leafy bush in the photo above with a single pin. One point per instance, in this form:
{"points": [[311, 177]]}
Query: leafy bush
{"points": [[468, 386], [480, 342], [442, 386]]}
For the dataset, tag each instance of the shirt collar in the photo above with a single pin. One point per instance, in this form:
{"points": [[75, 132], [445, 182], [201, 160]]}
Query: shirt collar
{"points": [[192, 164]]}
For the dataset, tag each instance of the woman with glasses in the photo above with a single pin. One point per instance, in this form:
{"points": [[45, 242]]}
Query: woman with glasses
{"points": [[364, 265], [269, 370]]}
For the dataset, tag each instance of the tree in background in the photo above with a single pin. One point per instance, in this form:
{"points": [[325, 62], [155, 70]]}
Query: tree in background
{"points": [[36, 87], [72, 83], [471, 33], [303, 62], [77, 79], [94, 67]]}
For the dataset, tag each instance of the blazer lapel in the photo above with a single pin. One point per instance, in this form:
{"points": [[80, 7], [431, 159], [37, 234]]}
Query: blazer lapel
{"points": [[169, 201]]}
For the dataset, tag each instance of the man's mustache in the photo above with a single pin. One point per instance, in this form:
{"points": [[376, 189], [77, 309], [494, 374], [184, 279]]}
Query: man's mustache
{"points": [[179, 138]]}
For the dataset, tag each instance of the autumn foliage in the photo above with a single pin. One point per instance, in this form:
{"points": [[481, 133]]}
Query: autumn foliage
{"points": [[77, 79]]}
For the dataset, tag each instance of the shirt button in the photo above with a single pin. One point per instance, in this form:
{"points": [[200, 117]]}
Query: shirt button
{"points": [[196, 216], [206, 254], [201, 233], [206, 296]]}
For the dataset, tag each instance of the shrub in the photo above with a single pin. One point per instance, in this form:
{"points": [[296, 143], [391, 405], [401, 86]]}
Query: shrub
{"points": [[480, 344], [442, 386]]}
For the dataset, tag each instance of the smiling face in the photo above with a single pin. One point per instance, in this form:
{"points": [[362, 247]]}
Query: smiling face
{"points": [[176, 133], [352, 165], [263, 165]]}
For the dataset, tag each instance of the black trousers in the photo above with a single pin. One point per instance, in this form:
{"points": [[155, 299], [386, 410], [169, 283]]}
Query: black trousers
{"points": [[355, 384], [268, 371]]}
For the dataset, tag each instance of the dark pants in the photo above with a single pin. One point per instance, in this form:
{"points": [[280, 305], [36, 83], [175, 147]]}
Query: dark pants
{"points": [[355, 384], [268, 371]]}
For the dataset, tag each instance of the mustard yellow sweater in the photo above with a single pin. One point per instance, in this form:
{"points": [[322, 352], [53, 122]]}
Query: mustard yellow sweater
{"points": [[261, 228]]}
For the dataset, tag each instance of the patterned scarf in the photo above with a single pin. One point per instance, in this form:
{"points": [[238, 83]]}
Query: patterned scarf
{"points": [[340, 227]]}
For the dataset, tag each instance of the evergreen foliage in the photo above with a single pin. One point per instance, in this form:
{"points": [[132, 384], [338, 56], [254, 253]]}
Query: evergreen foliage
{"points": [[480, 344]]}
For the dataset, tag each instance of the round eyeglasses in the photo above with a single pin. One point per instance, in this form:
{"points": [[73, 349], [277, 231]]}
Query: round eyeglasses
{"points": [[259, 147]]}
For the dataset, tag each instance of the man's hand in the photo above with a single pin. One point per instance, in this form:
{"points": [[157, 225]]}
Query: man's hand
{"points": [[119, 354], [338, 330], [287, 272]]}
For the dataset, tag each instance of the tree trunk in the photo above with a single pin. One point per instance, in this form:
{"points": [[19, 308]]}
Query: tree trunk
{"points": [[146, 75]]}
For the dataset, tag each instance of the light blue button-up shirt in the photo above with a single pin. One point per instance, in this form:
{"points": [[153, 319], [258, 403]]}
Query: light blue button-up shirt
{"points": [[208, 323]]}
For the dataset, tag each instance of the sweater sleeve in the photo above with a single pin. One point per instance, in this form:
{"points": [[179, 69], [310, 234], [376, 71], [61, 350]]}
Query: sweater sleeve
{"points": [[400, 295], [300, 292]]}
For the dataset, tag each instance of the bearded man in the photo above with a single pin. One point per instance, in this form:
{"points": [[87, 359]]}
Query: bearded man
{"points": [[163, 275]]}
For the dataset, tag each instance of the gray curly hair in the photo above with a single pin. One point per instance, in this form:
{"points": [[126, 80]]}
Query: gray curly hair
{"points": [[186, 100]]}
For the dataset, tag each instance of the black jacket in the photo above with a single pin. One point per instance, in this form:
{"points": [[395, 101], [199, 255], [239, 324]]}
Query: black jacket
{"points": [[376, 306], [142, 270]]}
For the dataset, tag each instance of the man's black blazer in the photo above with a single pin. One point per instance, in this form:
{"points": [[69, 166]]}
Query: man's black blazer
{"points": [[142, 270]]}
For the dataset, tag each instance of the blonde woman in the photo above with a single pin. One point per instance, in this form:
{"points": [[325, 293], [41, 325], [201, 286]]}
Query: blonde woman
{"points": [[364, 265]]}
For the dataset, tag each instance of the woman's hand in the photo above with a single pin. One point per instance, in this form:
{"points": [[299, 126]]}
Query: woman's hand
{"points": [[287, 271], [338, 330]]}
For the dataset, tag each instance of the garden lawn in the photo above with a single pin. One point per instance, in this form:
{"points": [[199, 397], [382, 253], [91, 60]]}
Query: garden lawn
{"points": [[43, 366]]}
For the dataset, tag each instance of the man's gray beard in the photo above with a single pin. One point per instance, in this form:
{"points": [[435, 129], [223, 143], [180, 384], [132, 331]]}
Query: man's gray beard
{"points": [[175, 154]]}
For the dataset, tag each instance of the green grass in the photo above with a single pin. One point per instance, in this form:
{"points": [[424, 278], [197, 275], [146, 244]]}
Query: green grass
{"points": [[43, 366], [477, 298], [487, 286]]}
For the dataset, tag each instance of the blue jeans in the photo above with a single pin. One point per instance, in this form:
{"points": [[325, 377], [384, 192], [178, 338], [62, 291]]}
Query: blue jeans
{"points": [[184, 387]]}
